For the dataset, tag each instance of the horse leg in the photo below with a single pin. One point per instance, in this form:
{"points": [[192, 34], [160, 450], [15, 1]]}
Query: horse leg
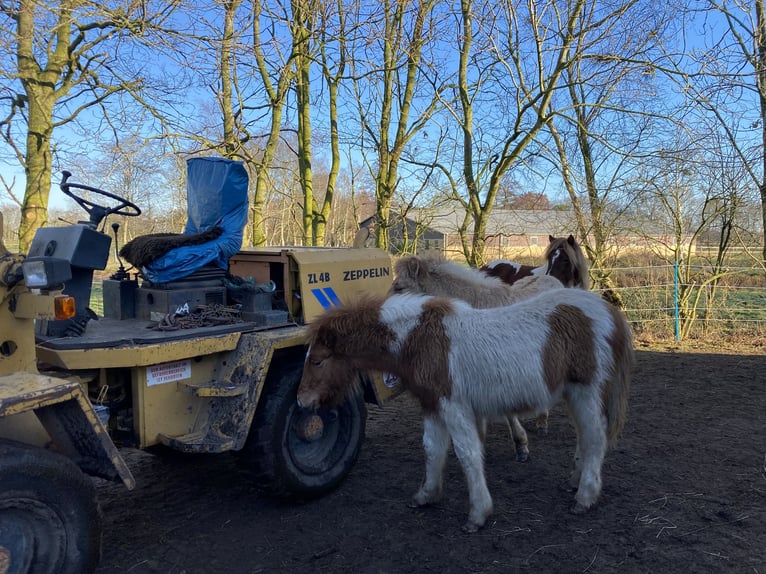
{"points": [[574, 477], [462, 427], [482, 424], [541, 423], [436, 441], [519, 437], [590, 423]]}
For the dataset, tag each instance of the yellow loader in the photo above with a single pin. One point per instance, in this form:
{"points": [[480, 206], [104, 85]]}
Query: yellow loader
{"points": [[198, 356]]}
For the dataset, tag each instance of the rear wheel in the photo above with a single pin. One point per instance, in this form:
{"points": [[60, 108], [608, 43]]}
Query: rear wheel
{"points": [[49, 519], [300, 453]]}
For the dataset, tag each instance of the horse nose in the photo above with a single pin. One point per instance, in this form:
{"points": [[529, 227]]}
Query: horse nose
{"points": [[307, 402]]}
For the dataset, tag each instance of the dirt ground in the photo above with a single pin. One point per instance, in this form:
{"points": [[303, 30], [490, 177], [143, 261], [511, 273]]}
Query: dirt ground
{"points": [[684, 491]]}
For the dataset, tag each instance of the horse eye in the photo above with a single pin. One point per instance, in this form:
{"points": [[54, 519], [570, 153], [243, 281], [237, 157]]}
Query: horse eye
{"points": [[315, 362]]}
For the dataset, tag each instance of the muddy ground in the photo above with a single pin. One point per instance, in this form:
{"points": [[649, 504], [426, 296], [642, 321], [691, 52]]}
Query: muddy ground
{"points": [[684, 491]]}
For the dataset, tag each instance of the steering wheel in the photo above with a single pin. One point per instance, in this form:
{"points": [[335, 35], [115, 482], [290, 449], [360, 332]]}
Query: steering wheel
{"points": [[98, 212]]}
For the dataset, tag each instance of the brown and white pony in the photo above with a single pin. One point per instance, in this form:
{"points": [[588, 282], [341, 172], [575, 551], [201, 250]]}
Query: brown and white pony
{"points": [[464, 364], [564, 260], [434, 275]]}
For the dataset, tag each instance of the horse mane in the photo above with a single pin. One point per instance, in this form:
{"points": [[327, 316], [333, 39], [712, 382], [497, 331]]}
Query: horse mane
{"points": [[576, 256], [364, 310], [437, 276]]}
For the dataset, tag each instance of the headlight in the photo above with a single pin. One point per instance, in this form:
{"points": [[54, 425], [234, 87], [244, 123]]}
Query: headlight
{"points": [[45, 272]]}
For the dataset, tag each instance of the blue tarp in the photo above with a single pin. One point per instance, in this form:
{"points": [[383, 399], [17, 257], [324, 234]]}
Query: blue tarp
{"points": [[216, 195]]}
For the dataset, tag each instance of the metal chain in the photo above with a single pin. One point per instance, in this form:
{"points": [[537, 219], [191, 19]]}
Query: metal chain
{"points": [[203, 316]]}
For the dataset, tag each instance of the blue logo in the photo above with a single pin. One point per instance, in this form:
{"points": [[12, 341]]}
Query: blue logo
{"points": [[327, 297]]}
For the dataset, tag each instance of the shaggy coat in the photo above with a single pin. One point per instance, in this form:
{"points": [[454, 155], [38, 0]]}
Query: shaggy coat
{"points": [[433, 275], [564, 260], [464, 364]]}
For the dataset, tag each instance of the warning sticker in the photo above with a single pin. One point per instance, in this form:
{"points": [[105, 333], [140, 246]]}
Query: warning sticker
{"points": [[168, 372]]}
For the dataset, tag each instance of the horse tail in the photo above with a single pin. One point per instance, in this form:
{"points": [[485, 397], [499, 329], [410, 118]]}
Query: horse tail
{"points": [[615, 392]]}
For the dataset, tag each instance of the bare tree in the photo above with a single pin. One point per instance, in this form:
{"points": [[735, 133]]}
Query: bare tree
{"points": [[511, 59], [604, 121], [142, 173], [276, 70], [64, 66], [689, 194], [726, 79], [332, 59], [395, 100]]}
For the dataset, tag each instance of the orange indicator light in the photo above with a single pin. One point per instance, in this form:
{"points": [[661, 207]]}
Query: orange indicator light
{"points": [[64, 307]]}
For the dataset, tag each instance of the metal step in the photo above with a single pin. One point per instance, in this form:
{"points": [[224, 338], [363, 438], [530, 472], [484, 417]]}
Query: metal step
{"points": [[215, 388], [198, 442]]}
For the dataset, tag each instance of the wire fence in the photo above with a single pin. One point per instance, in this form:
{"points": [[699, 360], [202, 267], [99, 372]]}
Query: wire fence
{"points": [[673, 302]]}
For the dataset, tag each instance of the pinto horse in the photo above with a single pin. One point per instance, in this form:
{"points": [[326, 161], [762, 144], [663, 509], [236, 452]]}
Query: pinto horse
{"points": [[464, 364], [434, 275], [564, 260]]}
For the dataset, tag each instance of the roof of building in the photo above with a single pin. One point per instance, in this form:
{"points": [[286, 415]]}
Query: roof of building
{"points": [[505, 221]]}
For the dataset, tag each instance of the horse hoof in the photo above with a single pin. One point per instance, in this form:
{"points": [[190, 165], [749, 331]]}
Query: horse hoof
{"points": [[522, 457], [471, 527], [578, 508], [423, 499]]}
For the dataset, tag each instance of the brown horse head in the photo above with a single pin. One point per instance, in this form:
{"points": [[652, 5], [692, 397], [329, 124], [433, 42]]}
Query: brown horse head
{"points": [[566, 262], [340, 342], [326, 379], [413, 273]]}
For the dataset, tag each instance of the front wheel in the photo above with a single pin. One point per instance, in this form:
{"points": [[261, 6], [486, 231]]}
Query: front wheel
{"points": [[300, 453], [49, 519]]}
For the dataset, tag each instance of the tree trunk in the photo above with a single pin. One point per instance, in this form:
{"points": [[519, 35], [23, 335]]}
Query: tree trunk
{"points": [[38, 169], [276, 95], [760, 80], [230, 139], [302, 87]]}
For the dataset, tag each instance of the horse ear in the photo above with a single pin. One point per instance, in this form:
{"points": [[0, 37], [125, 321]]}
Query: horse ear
{"points": [[551, 239], [413, 266], [571, 240]]}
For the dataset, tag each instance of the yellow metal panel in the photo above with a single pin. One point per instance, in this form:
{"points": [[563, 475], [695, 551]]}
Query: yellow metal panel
{"points": [[329, 277], [135, 355], [24, 391], [24, 427], [261, 355], [168, 408], [33, 306], [18, 343], [17, 338]]}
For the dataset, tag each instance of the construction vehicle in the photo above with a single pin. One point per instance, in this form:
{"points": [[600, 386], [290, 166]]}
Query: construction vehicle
{"points": [[205, 362]]}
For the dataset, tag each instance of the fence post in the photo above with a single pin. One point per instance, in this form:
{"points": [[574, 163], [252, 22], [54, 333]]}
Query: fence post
{"points": [[675, 301]]}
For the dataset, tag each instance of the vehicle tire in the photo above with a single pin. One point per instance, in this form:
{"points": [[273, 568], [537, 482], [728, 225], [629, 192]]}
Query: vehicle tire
{"points": [[49, 517], [298, 453]]}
